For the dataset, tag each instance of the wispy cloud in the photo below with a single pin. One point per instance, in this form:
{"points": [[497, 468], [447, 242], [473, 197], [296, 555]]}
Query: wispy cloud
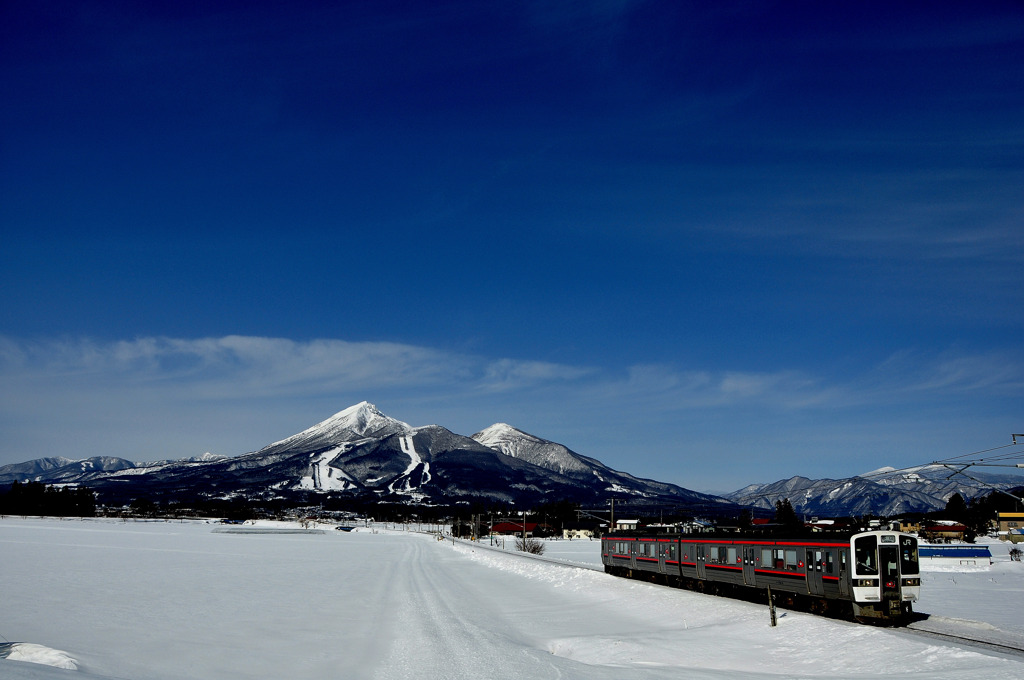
{"points": [[235, 366], [168, 397], [667, 388], [911, 373]]}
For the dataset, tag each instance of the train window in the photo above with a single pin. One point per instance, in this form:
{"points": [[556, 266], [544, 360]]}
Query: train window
{"points": [[723, 555], [766, 558], [672, 551], [866, 554], [890, 564], [829, 566], [908, 555], [791, 560], [731, 556]]}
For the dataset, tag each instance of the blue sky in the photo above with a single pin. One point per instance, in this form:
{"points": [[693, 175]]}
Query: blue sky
{"points": [[708, 245]]}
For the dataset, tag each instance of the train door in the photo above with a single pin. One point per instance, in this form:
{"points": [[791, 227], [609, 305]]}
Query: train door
{"points": [[812, 564], [749, 564], [844, 572], [701, 558], [889, 560]]}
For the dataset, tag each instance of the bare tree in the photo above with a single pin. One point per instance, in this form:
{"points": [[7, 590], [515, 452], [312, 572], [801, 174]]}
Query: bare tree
{"points": [[529, 544]]}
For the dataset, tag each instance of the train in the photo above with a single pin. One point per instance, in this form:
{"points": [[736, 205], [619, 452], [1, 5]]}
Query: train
{"points": [[867, 576]]}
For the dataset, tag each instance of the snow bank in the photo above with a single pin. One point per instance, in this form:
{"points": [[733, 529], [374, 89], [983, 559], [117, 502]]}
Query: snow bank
{"points": [[30, 653]]}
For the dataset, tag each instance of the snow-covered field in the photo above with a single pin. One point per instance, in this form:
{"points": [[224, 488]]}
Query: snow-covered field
{"points": [[168, 600]]}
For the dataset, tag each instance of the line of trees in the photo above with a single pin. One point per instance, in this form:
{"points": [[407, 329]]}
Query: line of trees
{"points": [[35, 498], [978, 513]]}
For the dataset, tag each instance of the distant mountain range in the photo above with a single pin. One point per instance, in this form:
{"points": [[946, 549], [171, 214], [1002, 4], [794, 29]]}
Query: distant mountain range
{"points": [[887, 492], [361, 452]]}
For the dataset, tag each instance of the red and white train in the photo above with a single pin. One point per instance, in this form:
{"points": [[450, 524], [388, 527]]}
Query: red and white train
{"points": [[871, 575]]}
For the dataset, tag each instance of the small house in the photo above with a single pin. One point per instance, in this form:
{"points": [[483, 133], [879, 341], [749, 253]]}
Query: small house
{"points": [[580, 530], [943, 532], [1008, 521]]}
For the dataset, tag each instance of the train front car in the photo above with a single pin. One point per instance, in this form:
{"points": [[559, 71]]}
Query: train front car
{"points": [[886, 575]]}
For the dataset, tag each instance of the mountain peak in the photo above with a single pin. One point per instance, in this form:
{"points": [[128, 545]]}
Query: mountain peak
{"points": [[518, 444], [360, 421], [363, 418], [500, 432]]}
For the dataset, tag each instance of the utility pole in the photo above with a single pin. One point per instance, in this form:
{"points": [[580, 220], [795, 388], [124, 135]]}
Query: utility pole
{"points": [[611, 522]]}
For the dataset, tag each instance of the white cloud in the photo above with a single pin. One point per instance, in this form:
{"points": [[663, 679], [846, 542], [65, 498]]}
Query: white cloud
{"points": [[244, 367], [170, 397], [508, 374], [908, 372], [235, 367]]}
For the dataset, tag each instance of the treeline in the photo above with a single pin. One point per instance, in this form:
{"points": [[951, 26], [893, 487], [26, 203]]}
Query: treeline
{"points": [[978, 514], [35, 498]]}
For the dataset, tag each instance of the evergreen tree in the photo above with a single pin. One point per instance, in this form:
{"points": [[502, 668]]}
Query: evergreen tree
{"points": [[35, 498], [956, 509], [786, 515]]}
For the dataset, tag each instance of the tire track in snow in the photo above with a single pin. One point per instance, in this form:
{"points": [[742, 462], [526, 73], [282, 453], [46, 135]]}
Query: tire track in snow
{"points": [[450, 628]]}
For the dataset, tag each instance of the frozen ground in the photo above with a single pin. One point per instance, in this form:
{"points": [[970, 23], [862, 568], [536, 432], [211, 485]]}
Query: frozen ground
{"points": [[158, 601]]}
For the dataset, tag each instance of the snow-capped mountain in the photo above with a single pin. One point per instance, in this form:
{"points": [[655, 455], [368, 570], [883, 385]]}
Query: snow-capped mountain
{"points": [[942, 482], [559, 458], [546, 454], [362, 452], [362, 421], [887, 491], [62, 470], [31, 469]]}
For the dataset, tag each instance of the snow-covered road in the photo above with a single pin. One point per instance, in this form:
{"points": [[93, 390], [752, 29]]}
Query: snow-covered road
{"points": [[164, 600]]}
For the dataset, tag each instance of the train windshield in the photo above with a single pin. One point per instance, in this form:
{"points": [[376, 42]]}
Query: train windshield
{"points": [[865, 551], [908, 555]]}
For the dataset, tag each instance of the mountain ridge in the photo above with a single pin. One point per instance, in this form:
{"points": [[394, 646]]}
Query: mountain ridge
{"points": [[887, 491], [362, 452]]}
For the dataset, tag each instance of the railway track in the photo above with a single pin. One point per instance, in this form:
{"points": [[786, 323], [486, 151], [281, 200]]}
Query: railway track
{"points": [[967, 633]]}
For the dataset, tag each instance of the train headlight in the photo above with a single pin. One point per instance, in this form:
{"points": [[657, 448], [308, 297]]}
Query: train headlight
{"points": [[866, 583], [911, 581]]}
